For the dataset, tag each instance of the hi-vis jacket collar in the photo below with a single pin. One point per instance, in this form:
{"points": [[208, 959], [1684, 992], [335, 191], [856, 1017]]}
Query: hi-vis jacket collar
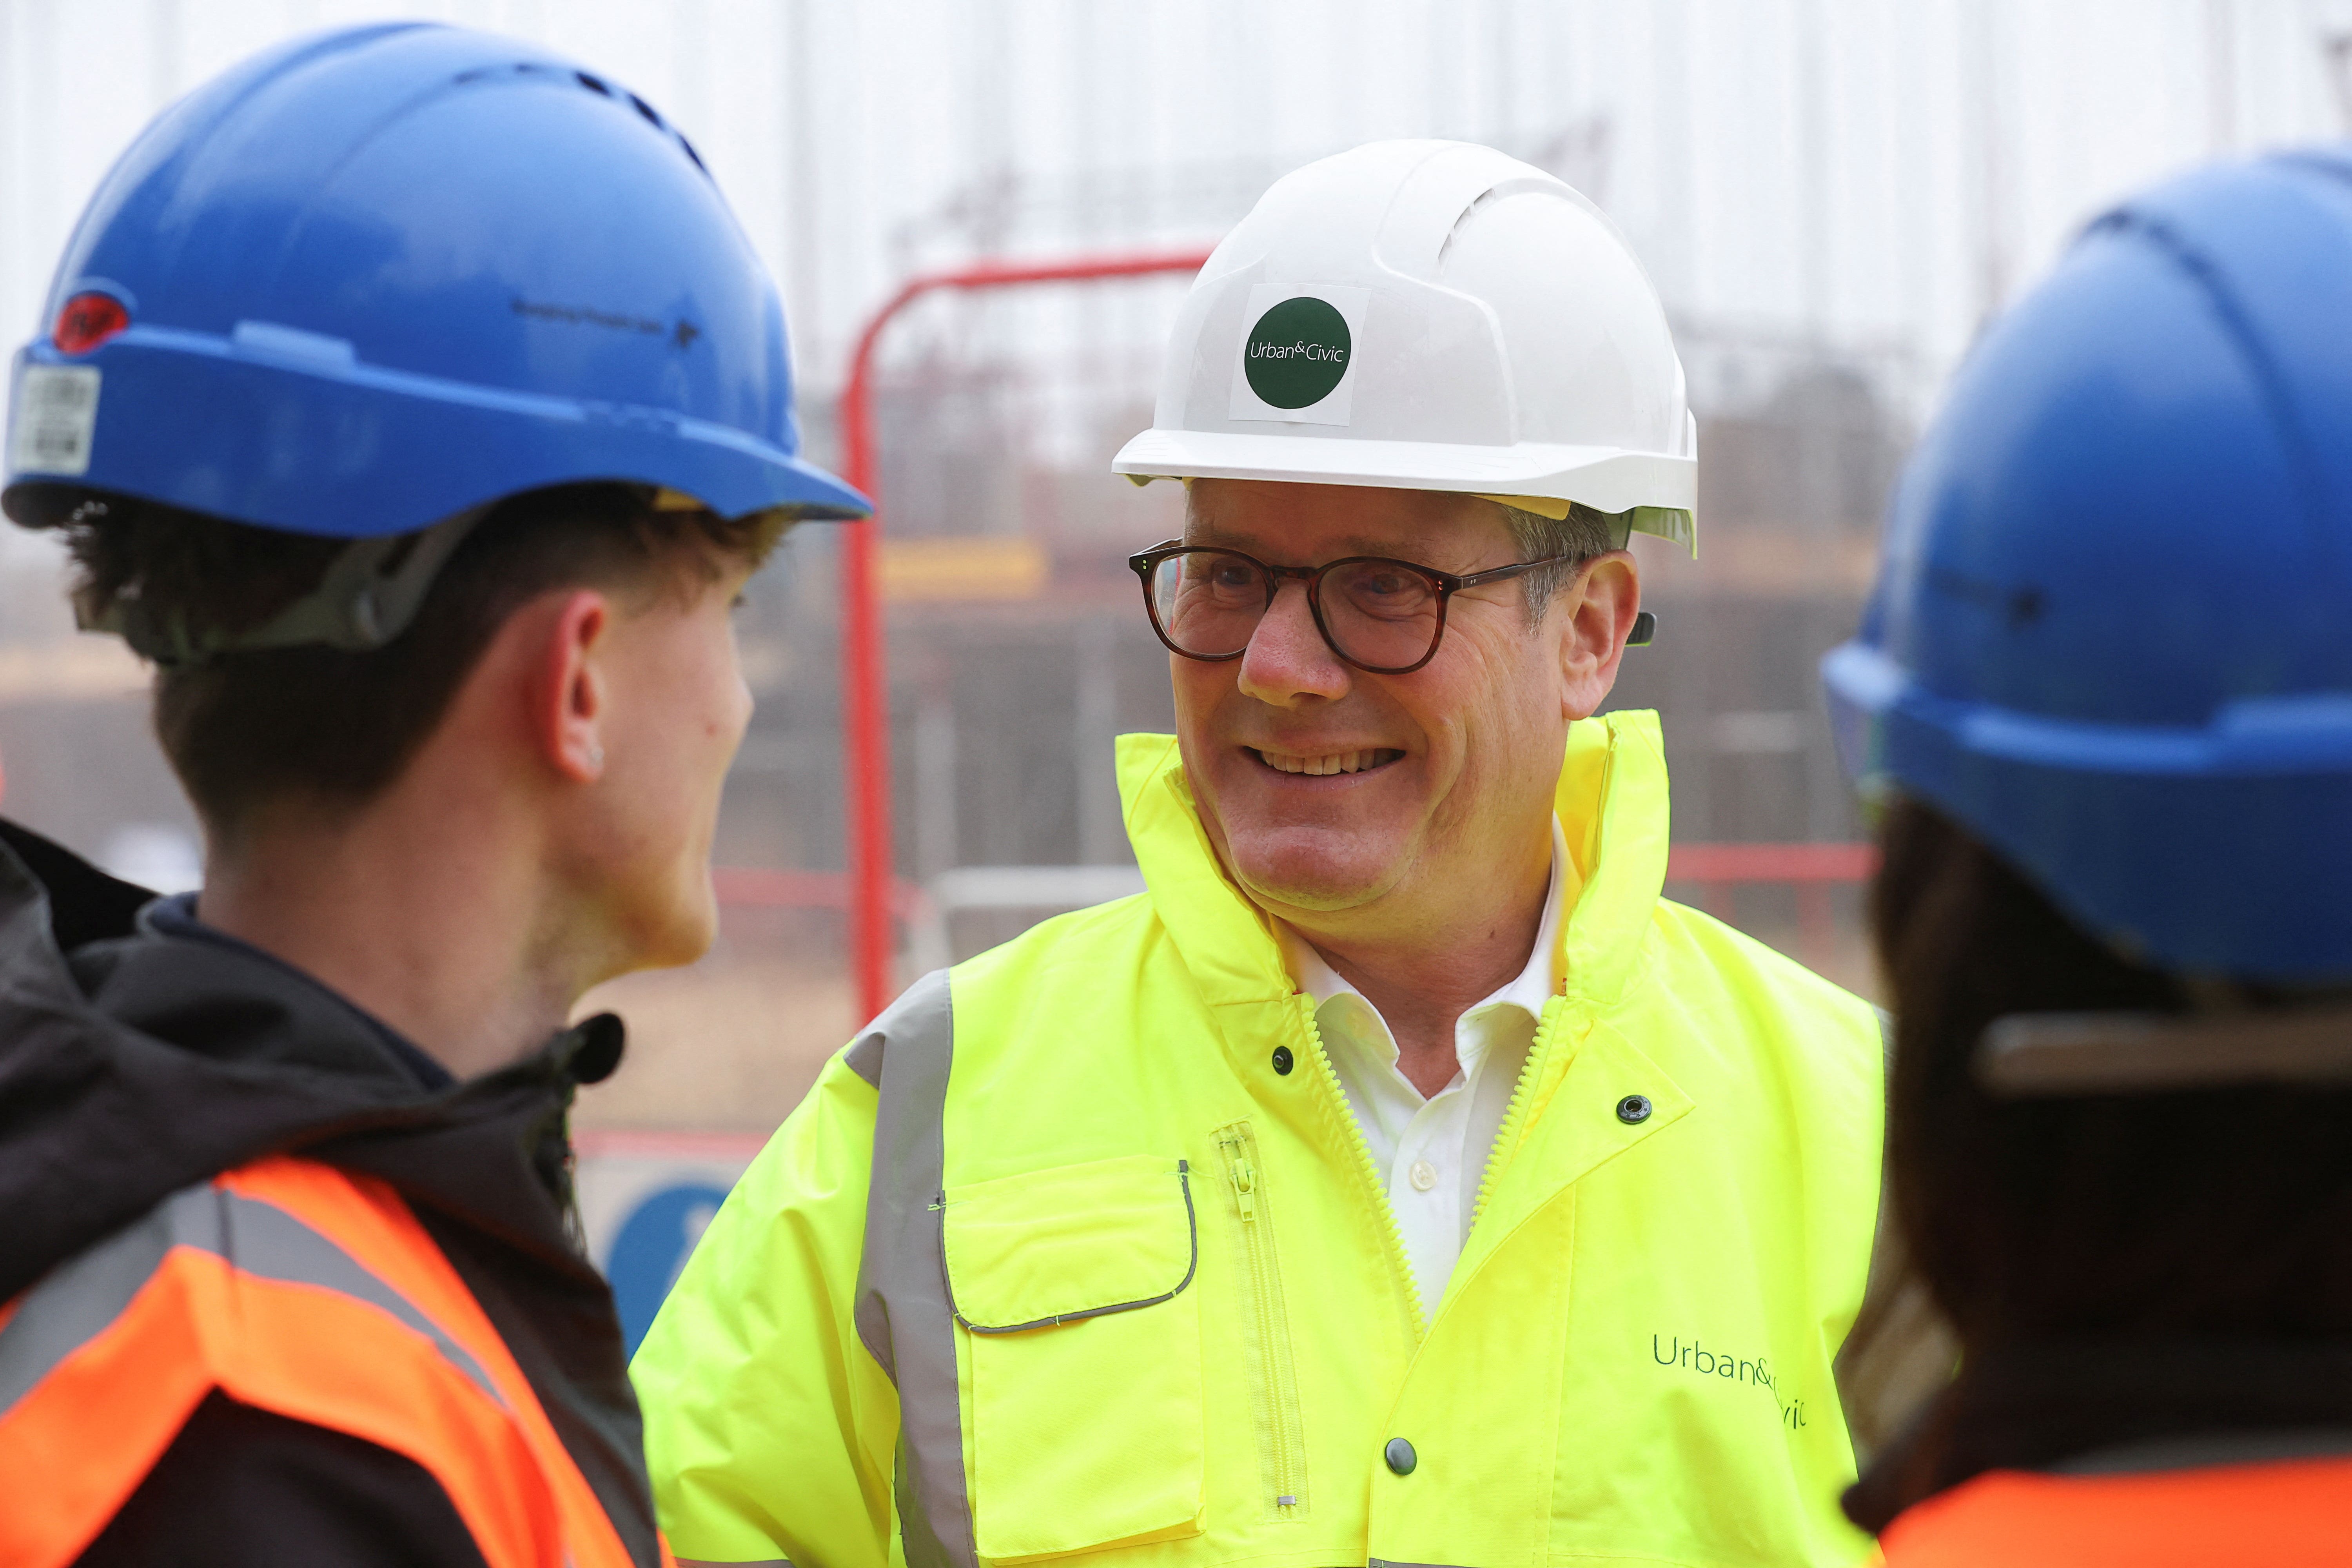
{"points": [[1617, 858]]}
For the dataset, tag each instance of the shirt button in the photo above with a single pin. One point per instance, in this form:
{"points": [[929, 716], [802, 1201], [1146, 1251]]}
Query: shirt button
{"points": [[1633, 1109], [1282, 1061], [1400, 1456], [1424, 1175]]}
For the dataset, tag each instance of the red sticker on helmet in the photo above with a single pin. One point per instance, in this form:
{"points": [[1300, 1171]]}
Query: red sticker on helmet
{"points": [[88, 320]]}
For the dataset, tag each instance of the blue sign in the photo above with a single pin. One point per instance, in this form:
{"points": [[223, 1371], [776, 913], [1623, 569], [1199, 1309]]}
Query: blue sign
{"points": [[652, 1247]]}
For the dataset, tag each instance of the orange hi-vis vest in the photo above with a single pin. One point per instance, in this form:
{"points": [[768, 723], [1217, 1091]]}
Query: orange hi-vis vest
{"points": [[2284, 1514], [301, 1290]]}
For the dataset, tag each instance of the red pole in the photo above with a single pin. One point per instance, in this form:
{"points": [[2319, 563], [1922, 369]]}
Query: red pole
{"points": [[864, 706]]}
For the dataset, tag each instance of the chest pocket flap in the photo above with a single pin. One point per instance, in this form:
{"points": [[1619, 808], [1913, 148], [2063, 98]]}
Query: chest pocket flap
{"points": [[1083, 1355]]}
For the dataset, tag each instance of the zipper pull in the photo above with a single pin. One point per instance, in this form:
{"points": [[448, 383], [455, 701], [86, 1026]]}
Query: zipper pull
{"points": [[1245, 1187]]}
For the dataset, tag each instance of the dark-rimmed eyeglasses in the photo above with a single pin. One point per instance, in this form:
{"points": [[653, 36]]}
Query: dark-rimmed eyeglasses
{"points": [[1382, 616]]}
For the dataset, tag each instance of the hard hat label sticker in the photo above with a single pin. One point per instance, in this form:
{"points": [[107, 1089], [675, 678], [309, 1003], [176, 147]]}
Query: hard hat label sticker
{"points": [[1297, 352], [55, 413]]}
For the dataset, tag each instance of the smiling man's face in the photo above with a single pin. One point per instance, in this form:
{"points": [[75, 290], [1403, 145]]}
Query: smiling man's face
{"points": [[1327, 791]]}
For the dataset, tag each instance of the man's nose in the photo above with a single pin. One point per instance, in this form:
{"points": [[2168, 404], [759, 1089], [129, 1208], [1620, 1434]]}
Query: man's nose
{"points": [[1288, 658]]}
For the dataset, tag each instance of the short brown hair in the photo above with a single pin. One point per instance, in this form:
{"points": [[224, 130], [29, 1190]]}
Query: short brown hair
{"points": [[250, 729]]}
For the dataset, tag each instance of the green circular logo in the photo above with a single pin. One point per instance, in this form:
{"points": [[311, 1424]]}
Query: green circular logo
{"points": [[1297, 352]]}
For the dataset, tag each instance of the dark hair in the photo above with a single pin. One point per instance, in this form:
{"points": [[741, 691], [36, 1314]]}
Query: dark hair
{"points": [[2217, 1212], [247, 730]]}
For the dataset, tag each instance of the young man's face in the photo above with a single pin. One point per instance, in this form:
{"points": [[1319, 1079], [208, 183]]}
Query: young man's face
{"points": [[678, 707], [1452, 765]]}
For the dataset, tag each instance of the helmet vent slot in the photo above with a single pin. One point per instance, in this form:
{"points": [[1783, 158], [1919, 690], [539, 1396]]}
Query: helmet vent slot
{"points": [[1463, 217]]}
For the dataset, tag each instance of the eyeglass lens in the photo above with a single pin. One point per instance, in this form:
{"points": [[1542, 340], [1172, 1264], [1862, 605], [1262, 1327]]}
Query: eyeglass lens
{"points": [[1380, 613]]}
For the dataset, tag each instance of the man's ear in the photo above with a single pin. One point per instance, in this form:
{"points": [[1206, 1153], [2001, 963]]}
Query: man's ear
{"points": [[569, 704], [1599, 607]]}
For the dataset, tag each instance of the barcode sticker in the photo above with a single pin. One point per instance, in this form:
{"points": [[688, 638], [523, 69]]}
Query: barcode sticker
{"points": [[56, 412]]}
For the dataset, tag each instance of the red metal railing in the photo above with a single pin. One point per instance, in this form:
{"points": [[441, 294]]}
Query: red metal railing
{"points": [[1714, 864], [865, 715], [1811, 869]]}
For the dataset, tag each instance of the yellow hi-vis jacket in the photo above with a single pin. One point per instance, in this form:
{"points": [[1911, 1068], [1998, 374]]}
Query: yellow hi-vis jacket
{"points": [[1057, 1259]]}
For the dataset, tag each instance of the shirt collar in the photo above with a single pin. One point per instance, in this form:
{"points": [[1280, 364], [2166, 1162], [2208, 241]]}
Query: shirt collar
{"points": [[1534, 985]]}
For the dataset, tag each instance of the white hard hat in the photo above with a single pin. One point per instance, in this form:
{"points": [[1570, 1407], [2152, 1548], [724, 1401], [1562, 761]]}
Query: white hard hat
{"points": [[1429, 315]]}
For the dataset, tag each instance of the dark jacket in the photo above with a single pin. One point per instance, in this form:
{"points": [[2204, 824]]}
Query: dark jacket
{"points": [[140, 1054]]}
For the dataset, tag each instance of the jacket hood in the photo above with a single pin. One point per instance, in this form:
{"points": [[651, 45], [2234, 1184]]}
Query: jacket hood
{"points": [[134, 1062], [1611, 802]]}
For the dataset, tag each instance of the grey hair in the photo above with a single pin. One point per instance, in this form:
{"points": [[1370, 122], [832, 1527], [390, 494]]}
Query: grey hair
{"points": [[1576, 538]]}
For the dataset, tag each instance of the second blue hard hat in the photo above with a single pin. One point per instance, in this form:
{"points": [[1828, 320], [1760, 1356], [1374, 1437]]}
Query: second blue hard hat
{"points": [[2113, 632], [373, 278]]}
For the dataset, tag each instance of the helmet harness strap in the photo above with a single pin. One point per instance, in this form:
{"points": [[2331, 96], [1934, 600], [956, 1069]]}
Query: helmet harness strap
{"points": [[368, 596], [2039, 1054]]}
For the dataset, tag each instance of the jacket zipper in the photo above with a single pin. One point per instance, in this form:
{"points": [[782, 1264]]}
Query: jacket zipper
{"points": [[1280, 1431], [1378, 1186], [1516, 1111]]}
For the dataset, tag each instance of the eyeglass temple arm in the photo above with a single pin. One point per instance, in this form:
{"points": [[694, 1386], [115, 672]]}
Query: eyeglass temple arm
{"points": [[1645, 625]]}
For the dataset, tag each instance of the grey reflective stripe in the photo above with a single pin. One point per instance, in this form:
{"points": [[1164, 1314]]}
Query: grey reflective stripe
{"points": [[902, 1312], [75, 1301], [1384, 1562], [82, 1297], [864, 1058]]}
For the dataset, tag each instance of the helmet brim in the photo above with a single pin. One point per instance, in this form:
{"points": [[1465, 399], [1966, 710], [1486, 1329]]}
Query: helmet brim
{"points": [[248, 431], [1663, 487]]}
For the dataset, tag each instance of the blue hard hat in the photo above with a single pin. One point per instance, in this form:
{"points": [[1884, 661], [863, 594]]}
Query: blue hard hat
{"points": [[375, 278], [2113, 633]]}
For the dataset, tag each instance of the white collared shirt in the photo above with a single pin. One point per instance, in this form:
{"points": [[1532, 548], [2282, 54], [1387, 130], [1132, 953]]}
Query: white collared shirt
{"points": [[1432, 1153]]}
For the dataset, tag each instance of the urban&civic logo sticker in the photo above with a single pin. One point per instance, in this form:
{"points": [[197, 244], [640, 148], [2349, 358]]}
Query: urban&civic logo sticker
{"points": [[1298, 354]]}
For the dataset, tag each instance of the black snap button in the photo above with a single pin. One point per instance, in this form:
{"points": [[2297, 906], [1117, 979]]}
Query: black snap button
{"points": [[1633, 1108], [1400, 1456], [1283, 1060]]}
